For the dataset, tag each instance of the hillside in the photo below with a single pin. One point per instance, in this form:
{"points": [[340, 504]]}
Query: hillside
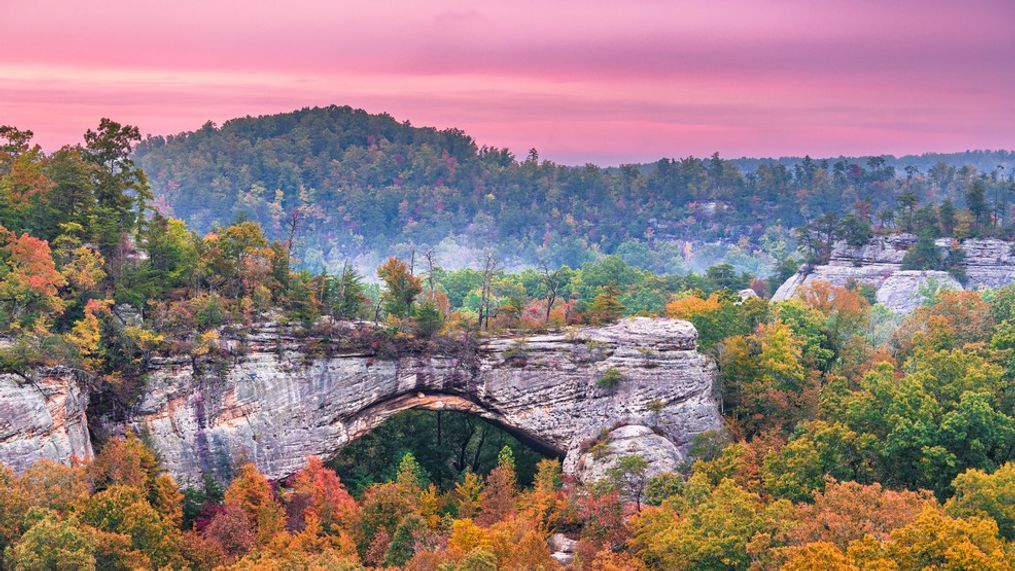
{"points": [[137, 355], [367, 186]]}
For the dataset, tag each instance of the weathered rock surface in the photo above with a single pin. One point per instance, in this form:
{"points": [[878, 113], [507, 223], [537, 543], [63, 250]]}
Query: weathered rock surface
{"points": [[988, 263], [562, 548], [43, 419], [274, 402], [629, 440]]}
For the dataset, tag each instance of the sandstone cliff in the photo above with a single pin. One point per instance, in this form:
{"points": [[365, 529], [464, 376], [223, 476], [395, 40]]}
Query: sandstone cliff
{"points": [[988, 263], [272, 401], [44, 418]]}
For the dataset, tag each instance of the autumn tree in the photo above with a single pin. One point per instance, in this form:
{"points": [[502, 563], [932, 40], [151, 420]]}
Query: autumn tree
{"points": [[466, 495], [53, 543], [847, 511], [497, 500], [606, 306], [401, 288], [54, 486], [13, 504], [986, 495], [935, 540], [764, 379], [553, 283], [124, 510], [251, 492], [124, 461], [86, 334], [712, 532], [846, 312], [718, 315], [29, 282], [231, 531], [385, 505], [326, 499], [236, 260]]}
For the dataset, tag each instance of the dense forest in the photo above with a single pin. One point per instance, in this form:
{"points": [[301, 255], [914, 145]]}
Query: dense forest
{"points": [[854, 438], [354, 186]]}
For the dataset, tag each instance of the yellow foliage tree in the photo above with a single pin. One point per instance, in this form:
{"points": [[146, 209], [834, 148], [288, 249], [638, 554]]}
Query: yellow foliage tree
{"points": [[251, 492]]}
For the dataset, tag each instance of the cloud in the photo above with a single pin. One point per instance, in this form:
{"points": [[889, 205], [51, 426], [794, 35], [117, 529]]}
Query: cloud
{"points": [[581, 81]]}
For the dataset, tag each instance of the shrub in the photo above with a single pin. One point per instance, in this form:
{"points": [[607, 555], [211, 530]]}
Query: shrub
{"points": [[610, 380]]}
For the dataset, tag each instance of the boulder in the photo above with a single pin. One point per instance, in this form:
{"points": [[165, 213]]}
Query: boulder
{"points": [[595, 463]]}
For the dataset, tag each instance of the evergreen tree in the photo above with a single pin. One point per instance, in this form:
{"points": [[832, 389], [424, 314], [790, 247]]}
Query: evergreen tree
{"points": [[976, 202], [121, 188], [924, 254], [344, 294], [429, 318], [403, 542], [946, 214], [855, 231]]}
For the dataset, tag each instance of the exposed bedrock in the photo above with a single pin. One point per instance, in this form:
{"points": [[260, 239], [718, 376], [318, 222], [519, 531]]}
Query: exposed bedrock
{"points": [[43, 418], [274, 403], [988, 263]]}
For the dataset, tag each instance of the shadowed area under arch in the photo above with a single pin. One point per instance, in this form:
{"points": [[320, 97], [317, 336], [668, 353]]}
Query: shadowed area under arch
{"points": [[445, 441]]}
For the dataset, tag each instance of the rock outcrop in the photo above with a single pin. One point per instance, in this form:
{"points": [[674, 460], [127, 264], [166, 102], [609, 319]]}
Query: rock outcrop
{"points": [[274, 402], [43, 418], [988, 263], [661, 454]]}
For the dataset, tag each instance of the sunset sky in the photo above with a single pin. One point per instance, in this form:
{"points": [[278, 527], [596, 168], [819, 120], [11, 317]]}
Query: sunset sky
{"points": [[587, 81]]}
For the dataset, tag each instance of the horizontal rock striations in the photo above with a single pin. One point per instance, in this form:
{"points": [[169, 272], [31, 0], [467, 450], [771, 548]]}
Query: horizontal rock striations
{"points": [[988, 263], [274, 399]]}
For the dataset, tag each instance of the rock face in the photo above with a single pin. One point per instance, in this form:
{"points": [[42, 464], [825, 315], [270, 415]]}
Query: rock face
{"points": [[43, 419], [632, 439], [562, 548], [988, 263], [274, 402]]}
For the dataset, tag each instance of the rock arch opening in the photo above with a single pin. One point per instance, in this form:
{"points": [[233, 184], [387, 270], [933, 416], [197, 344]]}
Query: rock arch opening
{"points": [[446, 437]]}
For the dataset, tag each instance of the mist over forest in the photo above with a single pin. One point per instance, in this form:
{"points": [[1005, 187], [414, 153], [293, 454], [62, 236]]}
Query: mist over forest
{"points": [[368, 186]]}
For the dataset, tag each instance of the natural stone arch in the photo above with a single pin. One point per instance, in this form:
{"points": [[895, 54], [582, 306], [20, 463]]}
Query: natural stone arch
{"points": [[278, 402], [374, 416]]}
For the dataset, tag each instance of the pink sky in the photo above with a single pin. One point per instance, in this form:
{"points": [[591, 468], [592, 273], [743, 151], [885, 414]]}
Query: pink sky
{"points": [[582, 81]]}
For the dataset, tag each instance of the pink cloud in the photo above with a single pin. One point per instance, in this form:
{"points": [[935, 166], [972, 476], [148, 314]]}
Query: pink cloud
{"points": [[581, 81]]}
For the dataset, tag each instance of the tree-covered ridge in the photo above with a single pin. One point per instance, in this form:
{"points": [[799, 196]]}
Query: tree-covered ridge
{"points": [[368, 184]]}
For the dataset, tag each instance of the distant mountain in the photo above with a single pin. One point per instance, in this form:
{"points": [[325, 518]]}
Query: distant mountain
{"points": [[369, 186], [982, 160]]}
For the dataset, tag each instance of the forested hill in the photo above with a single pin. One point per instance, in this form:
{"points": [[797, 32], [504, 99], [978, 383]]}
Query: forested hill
{"points": [[366, 186], [982, 160]]}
